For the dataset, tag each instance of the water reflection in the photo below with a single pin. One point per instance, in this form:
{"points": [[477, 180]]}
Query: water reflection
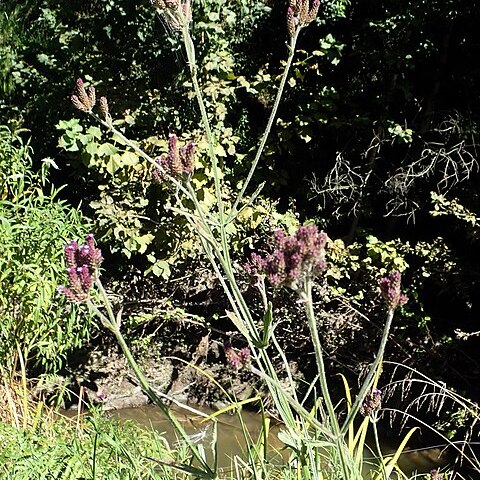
{"points": [[230, 438], [231, 441]]}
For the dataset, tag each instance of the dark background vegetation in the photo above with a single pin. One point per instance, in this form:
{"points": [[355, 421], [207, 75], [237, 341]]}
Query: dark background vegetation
{"points": [[375, 142]]}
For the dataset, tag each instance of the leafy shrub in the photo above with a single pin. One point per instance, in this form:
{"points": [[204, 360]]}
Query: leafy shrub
{"points": [[135, 216], [34, 225]]}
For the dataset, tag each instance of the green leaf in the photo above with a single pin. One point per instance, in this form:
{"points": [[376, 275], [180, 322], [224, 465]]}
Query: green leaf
{"points": [[72, 124], [144, 241], [160, 268], [129, 158], [220, 151], [107, 149], [113, 164], [92, 148], [95, 132]]}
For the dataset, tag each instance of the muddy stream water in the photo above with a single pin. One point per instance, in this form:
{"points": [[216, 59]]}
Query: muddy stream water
{"points": [[230, 440]]}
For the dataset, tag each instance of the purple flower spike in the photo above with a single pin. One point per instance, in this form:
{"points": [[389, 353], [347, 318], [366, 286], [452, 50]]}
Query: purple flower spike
{"points": [[293, 259], [372, 403], [83, 99], [70, 254], [82, 263], [244, 355], [179, 162], [390, 288], [234, 359], [436, 475], [300, 13]]}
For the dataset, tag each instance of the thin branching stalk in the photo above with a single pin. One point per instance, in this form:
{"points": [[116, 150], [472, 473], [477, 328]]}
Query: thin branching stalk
{"points": [[322, 376], [379, 450], [215, 242], [273, 114], [112, 324], [140, 152], [190, 50], [367, 384], [222, 255]]}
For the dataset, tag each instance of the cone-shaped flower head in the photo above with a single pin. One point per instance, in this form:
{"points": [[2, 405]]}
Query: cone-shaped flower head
{"points": [[83, 262], [179, 162], [300, 13], [390, 289], [436, 475], [294, 257], [83, 99], [236, 360], [372, 403]]}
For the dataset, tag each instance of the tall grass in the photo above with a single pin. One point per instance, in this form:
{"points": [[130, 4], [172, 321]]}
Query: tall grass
{"points": [[36, 442], [34, 225]]}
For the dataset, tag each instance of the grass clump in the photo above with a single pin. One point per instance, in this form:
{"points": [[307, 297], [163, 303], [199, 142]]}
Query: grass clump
{"points": [[94, 447]]}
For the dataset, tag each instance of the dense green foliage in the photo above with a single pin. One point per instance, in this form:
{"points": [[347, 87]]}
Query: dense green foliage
{"points": [[34, 226], [378, 114]]}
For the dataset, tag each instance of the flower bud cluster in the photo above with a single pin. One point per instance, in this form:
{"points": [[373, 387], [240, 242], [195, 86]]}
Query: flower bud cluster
{"points": [[390, 289], [372, 403], [83, 99], [179, 162], [236, 360], [293, 257], [179, 11], [82, 263], [436, 475], [300, 14]]}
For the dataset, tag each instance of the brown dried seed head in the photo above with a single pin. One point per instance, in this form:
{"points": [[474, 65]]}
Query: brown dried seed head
{"points": [[82, 94], [174, 161], [104, 108], [78, 104], [91, 96], [175, 164], [303, 8], [312, 14], [291, 21], [187, 155]]}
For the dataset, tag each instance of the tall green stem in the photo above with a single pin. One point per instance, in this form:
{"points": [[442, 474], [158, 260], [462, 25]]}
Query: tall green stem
{"points": [[190, 50], [317, 346], [367, 384], [379, 450], [113, 326], [292, 46], [322, 377], [223, 256]]}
